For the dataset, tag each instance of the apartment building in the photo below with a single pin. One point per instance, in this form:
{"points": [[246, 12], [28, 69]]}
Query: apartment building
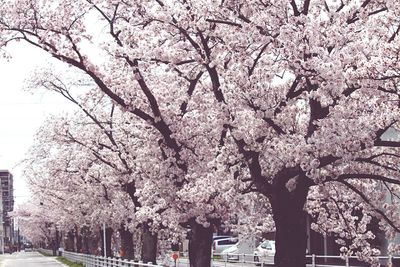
{"points": [[7, 200]]}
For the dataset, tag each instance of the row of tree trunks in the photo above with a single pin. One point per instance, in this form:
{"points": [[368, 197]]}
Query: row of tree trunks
{"points": [[200, 241]]}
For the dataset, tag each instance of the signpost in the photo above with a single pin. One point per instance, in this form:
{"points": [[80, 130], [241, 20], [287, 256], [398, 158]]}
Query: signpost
{"points": [[175, 256]]}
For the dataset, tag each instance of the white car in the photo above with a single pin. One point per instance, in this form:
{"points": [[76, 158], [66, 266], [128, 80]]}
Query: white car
{"points": [[242, 251], [265, 252], [231, 253], [220, 245]]}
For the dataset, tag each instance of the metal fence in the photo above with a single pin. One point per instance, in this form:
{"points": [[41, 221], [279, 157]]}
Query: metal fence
{"points": [[227, 260], [312, 260], [99, 261]]}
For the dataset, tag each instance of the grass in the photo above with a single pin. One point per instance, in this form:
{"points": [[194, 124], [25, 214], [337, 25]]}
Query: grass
{"points": [[44, 253], [68, 262], [63, 260]]}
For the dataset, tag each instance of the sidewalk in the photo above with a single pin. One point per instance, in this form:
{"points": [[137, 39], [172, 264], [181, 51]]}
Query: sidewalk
{"points": [[28, 259]]}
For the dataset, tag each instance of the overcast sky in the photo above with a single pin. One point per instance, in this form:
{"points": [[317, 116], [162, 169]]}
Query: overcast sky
{"points": [[22, 112]]}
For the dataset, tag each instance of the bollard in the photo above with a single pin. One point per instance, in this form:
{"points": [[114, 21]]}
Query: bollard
{"points": [[390, 263], [313, 260], [347, 261]]}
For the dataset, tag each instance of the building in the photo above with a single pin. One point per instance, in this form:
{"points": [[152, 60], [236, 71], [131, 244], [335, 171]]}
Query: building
{"points": [[7, 199]]}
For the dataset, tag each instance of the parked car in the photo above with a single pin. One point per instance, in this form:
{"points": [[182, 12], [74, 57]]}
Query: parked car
{"points": [[241, 251], [216, 237], [231, 253], [221, 244], [265, 252]]}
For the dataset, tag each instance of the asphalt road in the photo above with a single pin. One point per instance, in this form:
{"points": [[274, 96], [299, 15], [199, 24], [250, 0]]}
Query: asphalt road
{"points": [[28, 259]]}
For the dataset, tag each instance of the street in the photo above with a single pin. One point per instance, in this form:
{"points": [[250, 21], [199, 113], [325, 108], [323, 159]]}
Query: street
{"points": [[28, 259]]}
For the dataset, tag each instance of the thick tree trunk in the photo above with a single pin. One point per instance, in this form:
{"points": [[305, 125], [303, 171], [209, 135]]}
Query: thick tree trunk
{"points": [[290, 223], [109, 232], [127, 249], [200, 242], [149, 245]]}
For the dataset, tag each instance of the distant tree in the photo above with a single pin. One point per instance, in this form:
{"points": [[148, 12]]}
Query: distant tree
{"points": [[36, 223], [291, 97]]}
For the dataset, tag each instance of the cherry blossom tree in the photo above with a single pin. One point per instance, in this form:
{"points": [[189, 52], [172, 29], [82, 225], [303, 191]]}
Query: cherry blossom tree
{"points": [[292, 98], [155, 215]]}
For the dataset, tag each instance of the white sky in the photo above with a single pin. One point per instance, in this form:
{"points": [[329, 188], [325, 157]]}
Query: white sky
{"points": [[22, 112]]}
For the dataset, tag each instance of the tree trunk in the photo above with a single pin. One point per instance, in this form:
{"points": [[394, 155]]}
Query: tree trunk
{"points": [[85, 232], [109, 232], [94, 243], [290, 222], [78, 239], [149, 245], [55, 243], [70, 242], [126, 244], [200, 241]]}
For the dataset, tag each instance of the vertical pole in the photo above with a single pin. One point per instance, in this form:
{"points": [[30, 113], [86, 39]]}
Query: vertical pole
{"points": [[347, 261], [313, 260], [390, 263], [325, 248], [19, 240], [2, 241], [104, 240], [308, 233]]}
